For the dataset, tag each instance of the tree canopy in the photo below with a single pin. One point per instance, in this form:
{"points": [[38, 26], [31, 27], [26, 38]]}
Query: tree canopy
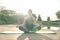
{"points": [[58, 14], [39, 18], [48, 19], [6, 16]]}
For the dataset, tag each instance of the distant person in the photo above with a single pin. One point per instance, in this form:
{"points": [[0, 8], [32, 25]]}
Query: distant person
{"points": [[29, 23]]}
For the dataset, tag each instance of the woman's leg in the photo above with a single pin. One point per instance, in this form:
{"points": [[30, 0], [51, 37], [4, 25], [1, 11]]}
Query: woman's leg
{"points": [[36, 28], [23, 28]]}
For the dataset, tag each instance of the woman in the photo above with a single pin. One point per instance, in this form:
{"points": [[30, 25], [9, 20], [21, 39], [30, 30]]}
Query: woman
{"points": [[29, 23]]}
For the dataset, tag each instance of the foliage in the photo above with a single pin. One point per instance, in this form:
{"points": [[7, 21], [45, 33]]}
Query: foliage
{"points": [[58, 14], [48, 19], [6, 17], [39, 18], [34, 16]]}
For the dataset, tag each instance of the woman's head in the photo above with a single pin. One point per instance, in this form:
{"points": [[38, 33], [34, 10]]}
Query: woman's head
{"points": [[30, 12]]}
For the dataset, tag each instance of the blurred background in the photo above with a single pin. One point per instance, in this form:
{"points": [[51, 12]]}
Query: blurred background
{"points": [[46, 12]]}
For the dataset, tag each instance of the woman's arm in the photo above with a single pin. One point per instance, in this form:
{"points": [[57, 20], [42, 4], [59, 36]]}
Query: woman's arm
{"points": [[23, 19], [34, 20]]}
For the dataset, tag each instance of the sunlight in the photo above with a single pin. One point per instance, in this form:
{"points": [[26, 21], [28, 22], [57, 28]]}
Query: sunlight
{"points": [[43, 7]]}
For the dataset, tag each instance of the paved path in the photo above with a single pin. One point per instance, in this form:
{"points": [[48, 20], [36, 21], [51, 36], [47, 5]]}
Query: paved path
{"points": [[21, 37], [33, 37]]}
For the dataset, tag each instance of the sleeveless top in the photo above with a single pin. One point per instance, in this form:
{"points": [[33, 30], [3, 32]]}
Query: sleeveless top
{"points": [[29, 22]]}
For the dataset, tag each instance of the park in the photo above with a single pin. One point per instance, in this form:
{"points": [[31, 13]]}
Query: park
{"points": [[9, 21], [29, 20]]}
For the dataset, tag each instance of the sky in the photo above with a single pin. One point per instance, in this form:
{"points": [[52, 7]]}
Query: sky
{"points": [[43, 7]]}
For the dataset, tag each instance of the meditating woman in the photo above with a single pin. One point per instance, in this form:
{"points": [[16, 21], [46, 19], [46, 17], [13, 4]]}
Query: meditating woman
{"points": [[29, 23]]}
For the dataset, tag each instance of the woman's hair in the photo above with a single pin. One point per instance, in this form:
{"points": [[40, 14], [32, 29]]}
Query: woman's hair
{"points": [[30, 11]]}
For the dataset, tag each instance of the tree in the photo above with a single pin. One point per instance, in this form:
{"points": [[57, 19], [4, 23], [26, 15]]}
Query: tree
{"points": [[34, 16], [58, 14], [8, 12], [48, 21], [6, 16], [39, 18]]}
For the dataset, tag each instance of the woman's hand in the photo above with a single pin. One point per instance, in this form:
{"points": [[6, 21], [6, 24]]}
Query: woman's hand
{"points": [[19, 25], [36, 24]]}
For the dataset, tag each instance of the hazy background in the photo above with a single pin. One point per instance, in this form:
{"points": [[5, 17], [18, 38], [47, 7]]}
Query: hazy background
{"points": [[43, 7]]}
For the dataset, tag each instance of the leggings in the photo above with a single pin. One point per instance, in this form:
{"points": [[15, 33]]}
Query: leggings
{"points": [[26, 29]]}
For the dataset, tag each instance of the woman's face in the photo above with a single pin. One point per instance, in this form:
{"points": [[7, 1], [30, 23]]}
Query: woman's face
{"points": [[30, 12]]}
